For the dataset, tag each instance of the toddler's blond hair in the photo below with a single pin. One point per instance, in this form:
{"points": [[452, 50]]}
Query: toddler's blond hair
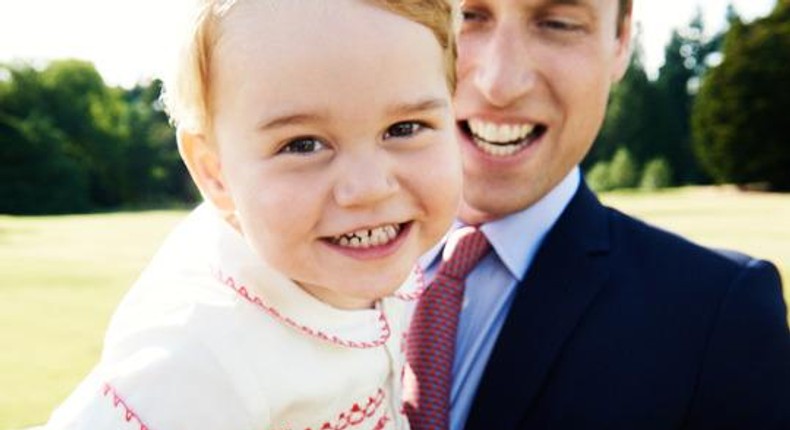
{"points": [[188, 85]]}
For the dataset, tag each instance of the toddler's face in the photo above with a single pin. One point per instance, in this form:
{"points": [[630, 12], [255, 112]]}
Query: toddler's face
{"points": [[336, 142]]}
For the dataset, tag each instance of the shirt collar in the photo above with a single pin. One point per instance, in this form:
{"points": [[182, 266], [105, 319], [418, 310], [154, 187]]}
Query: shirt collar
{"points": [[517, 237]]}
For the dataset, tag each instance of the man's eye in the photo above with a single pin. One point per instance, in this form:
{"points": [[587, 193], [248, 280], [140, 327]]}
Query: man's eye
{"points": [[558, 25], [403, 129], [303, 145]]}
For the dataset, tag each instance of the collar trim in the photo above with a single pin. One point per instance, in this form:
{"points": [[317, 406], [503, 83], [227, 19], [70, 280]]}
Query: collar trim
{"points": [[384, 327], [414, 286], [119, 403]]}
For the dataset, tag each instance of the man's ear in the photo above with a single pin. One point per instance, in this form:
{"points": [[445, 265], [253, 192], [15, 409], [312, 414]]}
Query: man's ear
{"points": [[203, 162], [623, 49]]}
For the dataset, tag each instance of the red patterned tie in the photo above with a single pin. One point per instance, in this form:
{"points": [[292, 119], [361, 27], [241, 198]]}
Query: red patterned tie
{"points": [[431, 341]]}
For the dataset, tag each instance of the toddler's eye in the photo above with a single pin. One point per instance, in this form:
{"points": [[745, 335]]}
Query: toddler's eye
{"points": [[403, 129], [470, 15], [303, 145]]}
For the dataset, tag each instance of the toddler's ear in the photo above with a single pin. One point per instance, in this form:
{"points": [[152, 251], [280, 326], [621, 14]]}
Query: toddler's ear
{"points": [[202, 160]]}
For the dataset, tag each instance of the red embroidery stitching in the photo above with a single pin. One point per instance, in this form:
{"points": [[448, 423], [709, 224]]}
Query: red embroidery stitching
{"points": [[357, 415], [413, 295], [245, 293], [382, 422], [129, 413]]}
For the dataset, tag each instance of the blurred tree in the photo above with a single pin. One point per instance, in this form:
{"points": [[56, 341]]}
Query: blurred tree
{"points": [[652, 118], [631, 116], [90, 115], [598, 177], [743, 102], [154, 158], [37, 177], [623, 172], [69, 143], [656, 175], [684, 62]]}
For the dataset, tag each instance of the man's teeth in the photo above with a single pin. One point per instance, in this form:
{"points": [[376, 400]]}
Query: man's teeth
{"points": [[499, 133], [498, 150], [366, 238]]}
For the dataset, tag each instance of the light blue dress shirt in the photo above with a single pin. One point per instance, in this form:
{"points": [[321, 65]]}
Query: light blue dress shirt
{"points": [[491, 287]]}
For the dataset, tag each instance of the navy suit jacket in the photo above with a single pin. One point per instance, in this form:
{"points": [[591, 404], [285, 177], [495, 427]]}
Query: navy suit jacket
{"points": [[619, 325]]}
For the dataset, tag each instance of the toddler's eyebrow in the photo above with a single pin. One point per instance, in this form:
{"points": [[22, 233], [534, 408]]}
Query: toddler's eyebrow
{"points": [[418, 106], [282, 121], [400, 109]]}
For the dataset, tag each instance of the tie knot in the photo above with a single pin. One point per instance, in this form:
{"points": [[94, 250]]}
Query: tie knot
{"points": [[464, 248]]}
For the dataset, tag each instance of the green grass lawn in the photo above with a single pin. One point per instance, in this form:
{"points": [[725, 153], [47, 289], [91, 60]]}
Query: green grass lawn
{"points": [[63, 276]]}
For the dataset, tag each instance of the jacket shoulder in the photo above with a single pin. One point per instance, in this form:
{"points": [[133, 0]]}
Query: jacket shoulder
{"points": [[654, 244]]}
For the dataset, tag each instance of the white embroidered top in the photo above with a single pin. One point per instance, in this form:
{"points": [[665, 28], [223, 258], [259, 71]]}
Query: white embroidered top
{"points": [[209, 339]]}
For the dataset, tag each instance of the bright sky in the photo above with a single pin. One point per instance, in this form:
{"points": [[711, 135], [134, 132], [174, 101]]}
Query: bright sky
{"points": [[123, 38]]}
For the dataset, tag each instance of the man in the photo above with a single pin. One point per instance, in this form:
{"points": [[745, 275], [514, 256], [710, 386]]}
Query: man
{"points": [[581, 317]]}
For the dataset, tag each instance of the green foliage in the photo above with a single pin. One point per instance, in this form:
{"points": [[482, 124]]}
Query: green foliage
{"points": [[656, 175], [598, 177], [69, 143], [37, 176], [684, 63], [88, 113], [623, 171], [742, 104], [651, 117], [630, 116], [154, 158]]}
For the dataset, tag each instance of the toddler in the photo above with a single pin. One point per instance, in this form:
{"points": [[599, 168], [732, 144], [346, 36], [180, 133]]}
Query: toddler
{"points": [[321, 136]]}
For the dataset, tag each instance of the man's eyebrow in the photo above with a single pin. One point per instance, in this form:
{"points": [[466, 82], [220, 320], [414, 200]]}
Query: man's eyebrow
{"points": [[585, 4], [418, 106], [567, 2]]}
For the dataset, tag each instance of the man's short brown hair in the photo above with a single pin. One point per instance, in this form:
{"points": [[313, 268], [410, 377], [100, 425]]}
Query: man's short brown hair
{"points": [[623, 12]]}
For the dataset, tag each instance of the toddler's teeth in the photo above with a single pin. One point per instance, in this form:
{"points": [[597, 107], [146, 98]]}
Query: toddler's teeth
{"points": [[365, 238]]}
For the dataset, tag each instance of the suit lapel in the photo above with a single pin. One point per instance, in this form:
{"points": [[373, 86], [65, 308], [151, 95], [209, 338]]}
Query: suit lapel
{"points": [[567, 273]]}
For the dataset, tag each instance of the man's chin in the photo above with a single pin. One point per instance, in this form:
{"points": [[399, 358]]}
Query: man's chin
{"points": [[479, 211], [486, 207]]}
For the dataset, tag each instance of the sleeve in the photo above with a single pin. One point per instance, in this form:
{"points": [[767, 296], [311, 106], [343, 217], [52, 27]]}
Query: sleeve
{"points": [[157, 389], [745, 378]]}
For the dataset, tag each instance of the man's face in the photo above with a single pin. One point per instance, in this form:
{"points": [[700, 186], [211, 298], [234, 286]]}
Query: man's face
{"points": [[534, 79]]}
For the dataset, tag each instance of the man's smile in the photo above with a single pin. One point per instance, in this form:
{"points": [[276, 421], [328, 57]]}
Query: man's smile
{"points": [[502, 140]]}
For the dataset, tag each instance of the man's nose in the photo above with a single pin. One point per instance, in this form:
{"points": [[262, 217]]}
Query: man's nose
{"points": [[365, 178], [505, 71]]}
